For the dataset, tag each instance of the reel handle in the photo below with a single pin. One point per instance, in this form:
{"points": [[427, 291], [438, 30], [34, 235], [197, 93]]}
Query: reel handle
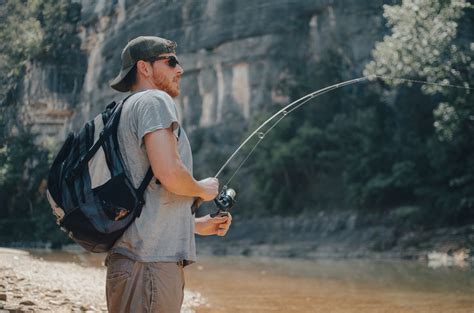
{"points": [[219, 214]]}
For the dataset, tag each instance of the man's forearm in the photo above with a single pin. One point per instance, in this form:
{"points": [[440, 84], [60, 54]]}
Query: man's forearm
{"points": [[199, 225], [207, 225], [179, 181]]}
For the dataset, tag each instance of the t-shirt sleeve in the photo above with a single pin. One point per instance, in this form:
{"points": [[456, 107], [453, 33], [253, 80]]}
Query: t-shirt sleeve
{"points": [[155, 111]]}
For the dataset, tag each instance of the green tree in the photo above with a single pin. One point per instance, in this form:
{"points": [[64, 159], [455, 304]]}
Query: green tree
{"points": [[42, 31], [23, 169], [20, 38], [430, 40], [32, 31]]}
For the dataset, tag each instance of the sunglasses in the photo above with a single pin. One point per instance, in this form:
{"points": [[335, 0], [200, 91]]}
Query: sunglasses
{"points": [[172, 60]]}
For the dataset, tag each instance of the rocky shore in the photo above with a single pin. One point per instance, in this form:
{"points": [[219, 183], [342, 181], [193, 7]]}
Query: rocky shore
{"points": [[28, 284]]}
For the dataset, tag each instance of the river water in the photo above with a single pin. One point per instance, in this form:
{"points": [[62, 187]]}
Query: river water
{"points": [[247, 284]]}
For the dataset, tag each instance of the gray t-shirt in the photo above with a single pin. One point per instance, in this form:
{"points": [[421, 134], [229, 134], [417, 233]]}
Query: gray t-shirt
{"points": [[164, 232]]}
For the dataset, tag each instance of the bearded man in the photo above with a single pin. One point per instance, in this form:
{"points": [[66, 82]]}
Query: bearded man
{"points": [[145, 266]]}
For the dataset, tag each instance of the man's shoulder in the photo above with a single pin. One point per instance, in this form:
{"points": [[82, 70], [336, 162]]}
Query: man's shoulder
{"points": [[140, 102]]}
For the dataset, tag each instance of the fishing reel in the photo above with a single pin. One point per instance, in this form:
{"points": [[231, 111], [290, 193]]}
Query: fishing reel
{"points": [[224, 201]]}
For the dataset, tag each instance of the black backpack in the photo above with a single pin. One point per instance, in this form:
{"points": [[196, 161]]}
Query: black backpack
{"points": [[88, 188]]}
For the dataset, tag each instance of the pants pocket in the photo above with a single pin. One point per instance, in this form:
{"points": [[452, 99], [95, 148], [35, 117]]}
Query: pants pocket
{"points": [[119, 272]]}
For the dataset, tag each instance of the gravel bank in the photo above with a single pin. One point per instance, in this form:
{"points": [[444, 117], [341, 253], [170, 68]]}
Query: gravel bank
{"points": [[28, 284]]}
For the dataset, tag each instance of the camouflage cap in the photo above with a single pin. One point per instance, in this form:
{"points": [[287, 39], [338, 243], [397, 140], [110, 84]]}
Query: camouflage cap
{"points": [[140, 48]]}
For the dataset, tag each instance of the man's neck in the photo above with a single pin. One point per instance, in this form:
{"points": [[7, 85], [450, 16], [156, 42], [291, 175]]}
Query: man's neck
{"points": [[143, 84]]}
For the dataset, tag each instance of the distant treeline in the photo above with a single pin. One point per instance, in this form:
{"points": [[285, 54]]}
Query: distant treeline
{"points": [[379, 147]]}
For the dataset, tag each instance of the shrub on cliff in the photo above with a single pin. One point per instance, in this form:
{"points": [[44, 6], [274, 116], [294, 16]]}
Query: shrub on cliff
{"points": [[20, 39], [43, 31]]}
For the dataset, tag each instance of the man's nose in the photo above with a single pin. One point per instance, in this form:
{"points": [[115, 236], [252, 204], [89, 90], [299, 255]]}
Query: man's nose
{"points": [[180, 69]]}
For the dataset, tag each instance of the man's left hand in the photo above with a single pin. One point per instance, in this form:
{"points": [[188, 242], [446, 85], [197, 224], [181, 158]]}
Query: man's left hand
{"points": [[208, 225]]}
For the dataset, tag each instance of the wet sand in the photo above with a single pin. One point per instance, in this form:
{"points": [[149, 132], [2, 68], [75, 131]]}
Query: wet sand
{"points": [[55, 282]]}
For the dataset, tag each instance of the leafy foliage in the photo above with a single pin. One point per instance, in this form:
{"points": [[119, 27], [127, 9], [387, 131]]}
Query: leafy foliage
{"points": [[382, 146], [25, 215], [20, 38], [422, 44], [59, 21], [425, 44], [42, 31]]}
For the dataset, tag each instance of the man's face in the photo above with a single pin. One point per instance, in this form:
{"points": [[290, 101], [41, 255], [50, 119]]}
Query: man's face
{"points": [[166, 77]]}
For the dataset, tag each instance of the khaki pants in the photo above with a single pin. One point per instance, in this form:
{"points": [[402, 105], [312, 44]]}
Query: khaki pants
{"points": [[136, 287]]}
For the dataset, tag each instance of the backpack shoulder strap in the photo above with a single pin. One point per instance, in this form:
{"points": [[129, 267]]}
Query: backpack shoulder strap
{"points": [[141, 191], [145, 182], [117, 107]]}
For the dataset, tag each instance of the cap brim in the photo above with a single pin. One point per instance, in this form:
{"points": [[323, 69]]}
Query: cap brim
{"points": [[118, 83]]}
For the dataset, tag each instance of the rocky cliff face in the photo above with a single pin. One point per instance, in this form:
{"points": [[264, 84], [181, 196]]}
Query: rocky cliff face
{"points": [[238, 56]]}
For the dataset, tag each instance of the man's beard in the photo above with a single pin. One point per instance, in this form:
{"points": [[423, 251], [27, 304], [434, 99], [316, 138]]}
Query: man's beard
{"points": [[167, 85]]}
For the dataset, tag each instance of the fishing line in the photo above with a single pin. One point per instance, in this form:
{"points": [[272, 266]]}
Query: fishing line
{"points": [[261, 136], [298, 103], [311, 95], [423, 82]]}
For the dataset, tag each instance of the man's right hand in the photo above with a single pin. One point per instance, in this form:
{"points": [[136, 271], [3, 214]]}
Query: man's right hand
{"points": [[210, 188]]}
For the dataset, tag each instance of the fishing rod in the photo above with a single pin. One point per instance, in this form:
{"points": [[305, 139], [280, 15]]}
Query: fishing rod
{"points": [[226, 198]]}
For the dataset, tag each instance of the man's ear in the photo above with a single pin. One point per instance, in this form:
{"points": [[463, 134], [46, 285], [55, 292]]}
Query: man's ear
{"points": [[143, 68]]}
